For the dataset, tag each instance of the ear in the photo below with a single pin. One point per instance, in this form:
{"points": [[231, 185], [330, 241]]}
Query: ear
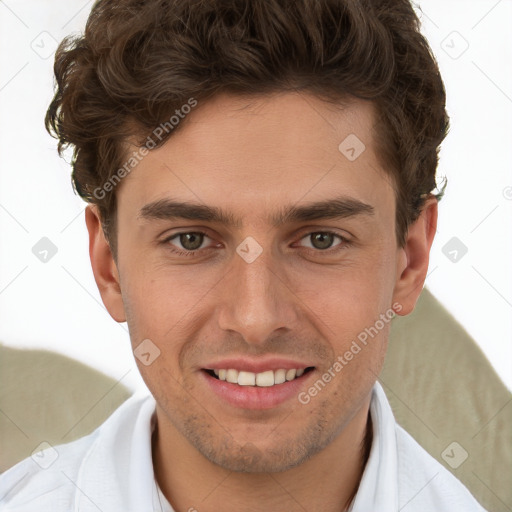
{"points": [[413, 258], [103, 266]]}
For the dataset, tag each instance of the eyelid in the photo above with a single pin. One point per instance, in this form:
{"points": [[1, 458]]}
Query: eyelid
{"points": [[344, 241], [167, 239], [309, 230]]}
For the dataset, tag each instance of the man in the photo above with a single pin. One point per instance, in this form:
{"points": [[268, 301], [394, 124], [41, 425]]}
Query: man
{"points": [[260, 180]]}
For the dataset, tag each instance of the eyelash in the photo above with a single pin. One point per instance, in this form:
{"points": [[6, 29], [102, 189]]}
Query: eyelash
{"points": [[179, 252], [344, 243]]}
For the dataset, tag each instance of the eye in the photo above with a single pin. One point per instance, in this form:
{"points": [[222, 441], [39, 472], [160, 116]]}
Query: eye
{"points": [[190, 241], [323, 240]]}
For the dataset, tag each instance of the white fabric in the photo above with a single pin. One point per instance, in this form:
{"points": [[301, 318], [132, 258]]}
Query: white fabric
{"points": [[111, 470]]}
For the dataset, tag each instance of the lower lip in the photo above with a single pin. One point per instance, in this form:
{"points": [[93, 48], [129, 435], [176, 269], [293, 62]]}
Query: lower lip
{"points": [[255, 397]]}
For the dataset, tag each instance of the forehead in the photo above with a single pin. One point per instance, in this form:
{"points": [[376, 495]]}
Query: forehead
{"points": [[253, 153]]}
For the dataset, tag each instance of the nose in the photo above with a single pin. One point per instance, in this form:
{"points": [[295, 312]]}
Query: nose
{"points": [[257, 299]]}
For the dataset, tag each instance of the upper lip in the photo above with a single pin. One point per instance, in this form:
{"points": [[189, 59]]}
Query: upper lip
{"points": [[256, 365]]}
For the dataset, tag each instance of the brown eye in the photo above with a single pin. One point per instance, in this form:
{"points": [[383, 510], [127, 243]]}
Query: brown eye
{"points": [[322, 240], [186, 242], [191, 241]]}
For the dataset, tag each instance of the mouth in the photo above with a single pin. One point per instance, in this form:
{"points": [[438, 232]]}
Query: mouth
{"points": [[264, 379], [259, 390]]}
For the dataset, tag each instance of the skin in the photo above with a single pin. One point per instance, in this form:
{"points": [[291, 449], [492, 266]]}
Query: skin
{"points": [[252, 157]]}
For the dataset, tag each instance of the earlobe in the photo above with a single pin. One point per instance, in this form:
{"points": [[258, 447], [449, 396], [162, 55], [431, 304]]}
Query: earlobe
{"points": [[413, 258], [103, 266]]}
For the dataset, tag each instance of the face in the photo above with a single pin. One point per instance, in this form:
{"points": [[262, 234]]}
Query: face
{"points": [[290, 256]]}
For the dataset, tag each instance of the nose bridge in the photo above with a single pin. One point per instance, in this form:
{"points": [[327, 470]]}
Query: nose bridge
{"points": [[256, 300]]}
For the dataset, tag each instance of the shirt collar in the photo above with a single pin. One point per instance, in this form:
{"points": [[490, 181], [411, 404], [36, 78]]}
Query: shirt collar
{"points": [[117, 472], [378, 489]]}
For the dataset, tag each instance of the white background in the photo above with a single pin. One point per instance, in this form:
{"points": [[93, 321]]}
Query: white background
{"points": [[56, 305]]}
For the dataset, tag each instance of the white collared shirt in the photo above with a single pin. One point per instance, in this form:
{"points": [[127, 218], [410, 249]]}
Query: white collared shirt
{"points": [[111, 470]]}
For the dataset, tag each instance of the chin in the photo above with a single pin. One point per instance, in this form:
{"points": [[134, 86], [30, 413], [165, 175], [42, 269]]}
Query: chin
{"points": [[250, 459], [247, 457]]}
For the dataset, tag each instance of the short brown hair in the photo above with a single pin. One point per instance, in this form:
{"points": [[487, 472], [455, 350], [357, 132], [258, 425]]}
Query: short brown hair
{"points": [[139, 61]]}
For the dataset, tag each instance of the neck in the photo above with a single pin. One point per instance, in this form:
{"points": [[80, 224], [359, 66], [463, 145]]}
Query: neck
{"points": [[328, 481]]}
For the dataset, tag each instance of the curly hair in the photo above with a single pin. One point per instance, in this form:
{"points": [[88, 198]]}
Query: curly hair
{"points": [[140, 61]]}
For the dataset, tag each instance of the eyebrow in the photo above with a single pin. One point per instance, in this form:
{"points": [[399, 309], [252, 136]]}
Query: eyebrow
{"points": [[336, 208]]}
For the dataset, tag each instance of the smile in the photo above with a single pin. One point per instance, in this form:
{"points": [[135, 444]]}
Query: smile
{"points": [[265, 389], [266, 378]]}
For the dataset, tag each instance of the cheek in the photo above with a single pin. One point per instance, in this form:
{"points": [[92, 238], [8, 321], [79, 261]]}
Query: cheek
{"points": [[161, 299], [349, 298], [156, 318], [169, 308], [353, 311]]}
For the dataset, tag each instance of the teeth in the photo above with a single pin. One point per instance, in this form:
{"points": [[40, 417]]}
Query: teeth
{"points": [[263, 379], [279, 376], [232, 376], [246, 378], [290, 374]]}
